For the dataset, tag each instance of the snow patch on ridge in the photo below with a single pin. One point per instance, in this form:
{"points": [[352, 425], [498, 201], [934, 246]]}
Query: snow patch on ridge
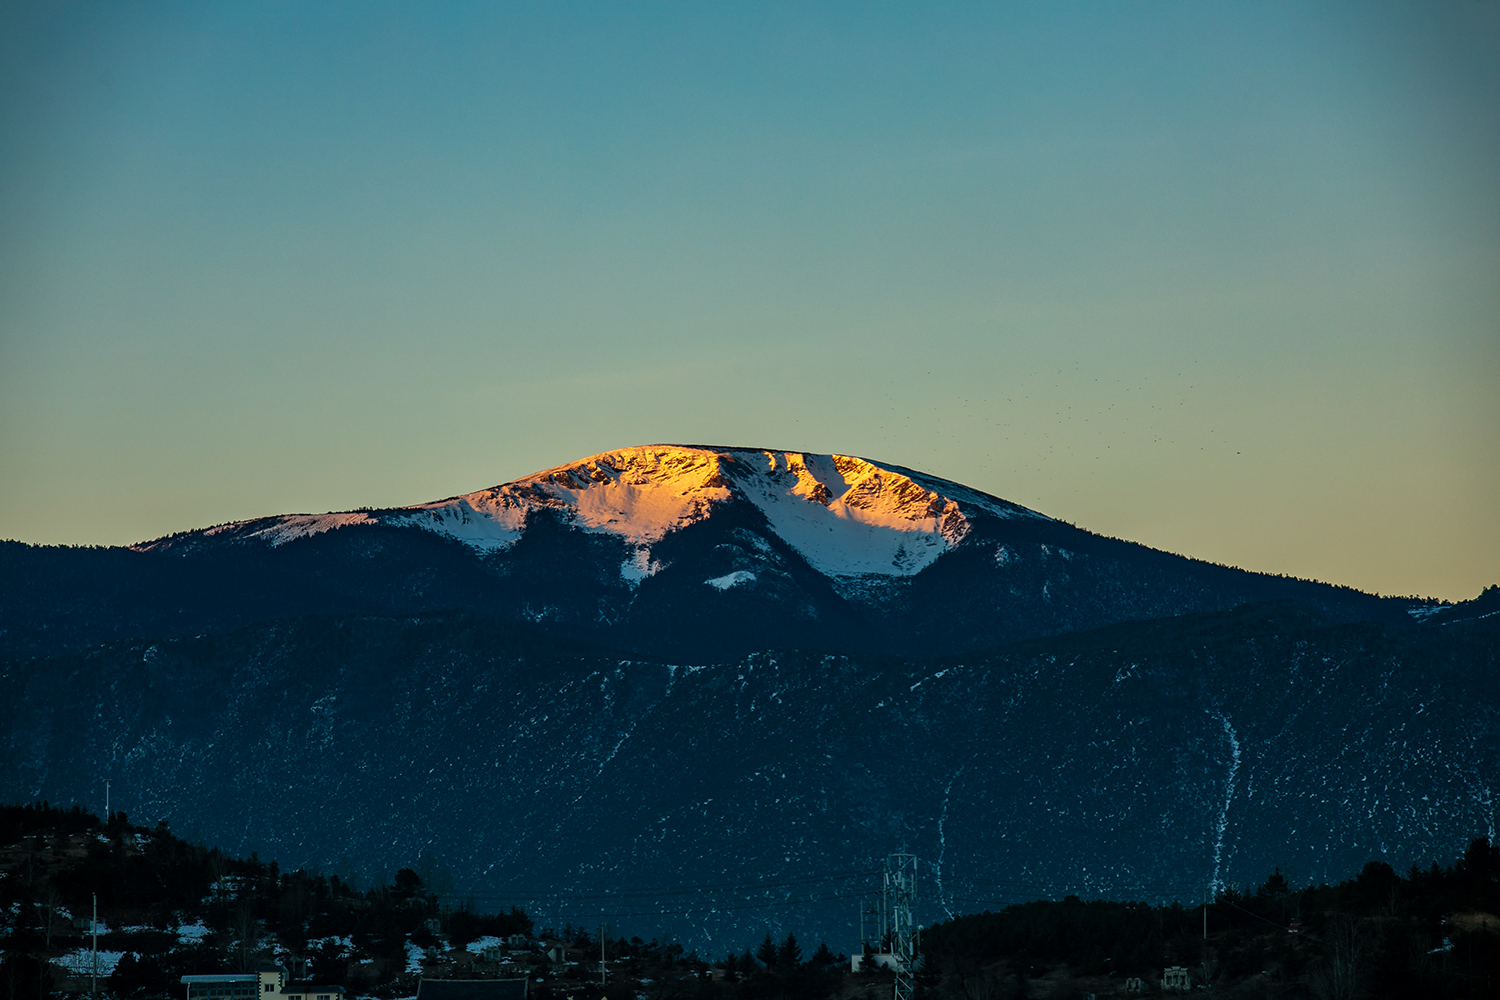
{"points": [[276, 532], [638, 568], [80, 962], [495, 528], [736, 578]]}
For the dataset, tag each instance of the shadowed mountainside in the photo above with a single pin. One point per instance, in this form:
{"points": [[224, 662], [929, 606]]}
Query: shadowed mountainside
{"points": [[1149, 757]]}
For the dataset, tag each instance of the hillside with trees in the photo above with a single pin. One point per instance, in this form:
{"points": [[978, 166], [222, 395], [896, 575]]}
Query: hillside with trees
{"points": [[169, 907]]}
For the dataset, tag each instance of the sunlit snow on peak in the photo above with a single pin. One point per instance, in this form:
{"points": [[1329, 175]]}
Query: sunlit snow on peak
{"points": [[637, 493], [846, 516], [849, 517]]}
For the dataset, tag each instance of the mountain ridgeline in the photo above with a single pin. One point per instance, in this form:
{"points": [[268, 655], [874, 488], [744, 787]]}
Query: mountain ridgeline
{"points": [[686, 554], [717, 686]]}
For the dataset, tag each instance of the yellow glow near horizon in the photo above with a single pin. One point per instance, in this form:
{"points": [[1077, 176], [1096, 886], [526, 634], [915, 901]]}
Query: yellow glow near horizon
{"points": [[1222, 281]]}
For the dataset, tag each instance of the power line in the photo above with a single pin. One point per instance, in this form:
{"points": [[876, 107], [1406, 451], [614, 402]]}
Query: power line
{"points": [[1002, 891], [638, 892], [706, 908]]}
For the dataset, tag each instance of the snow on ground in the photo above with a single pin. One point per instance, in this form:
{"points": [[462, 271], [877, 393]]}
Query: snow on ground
{"points": [[639, 567], [489, 528], [488, 941], [414, 956], [278, 532], [737, 577], [188, 934], [303, 525], [344, 944], [81, 962]]}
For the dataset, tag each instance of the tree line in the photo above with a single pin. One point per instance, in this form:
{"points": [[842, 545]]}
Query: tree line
{"points": [[174, 907]]}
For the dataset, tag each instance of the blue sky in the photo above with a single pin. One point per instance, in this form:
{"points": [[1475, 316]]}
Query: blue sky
{"points": [[1221, 278]]}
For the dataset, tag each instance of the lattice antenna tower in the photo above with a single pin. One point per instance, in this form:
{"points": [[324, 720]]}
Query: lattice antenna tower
{"points": [[899, 899]]}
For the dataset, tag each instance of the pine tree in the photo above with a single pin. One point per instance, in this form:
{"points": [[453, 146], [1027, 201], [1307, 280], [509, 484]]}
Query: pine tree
{"points": [[823, 958], [788, 956], [1275, 887], [767, 952]]}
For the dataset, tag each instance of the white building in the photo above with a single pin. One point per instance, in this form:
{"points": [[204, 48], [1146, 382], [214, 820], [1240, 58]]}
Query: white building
{"points": [[1176, 978], [879, 960], [265, 983]]}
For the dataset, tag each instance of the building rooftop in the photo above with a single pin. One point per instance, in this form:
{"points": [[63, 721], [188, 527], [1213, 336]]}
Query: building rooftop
{"points": [[311, 988], [471, 989]]}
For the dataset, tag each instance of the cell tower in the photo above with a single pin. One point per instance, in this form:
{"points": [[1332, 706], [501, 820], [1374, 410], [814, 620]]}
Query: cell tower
{"points": [[899, 897]]}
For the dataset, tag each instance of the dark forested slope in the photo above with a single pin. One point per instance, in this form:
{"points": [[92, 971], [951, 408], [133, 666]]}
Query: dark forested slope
{"points": [[1192, 751]]}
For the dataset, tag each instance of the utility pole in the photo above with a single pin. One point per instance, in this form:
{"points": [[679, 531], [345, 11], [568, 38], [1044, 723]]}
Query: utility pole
{"points": [[897, 901], [94, 930], [106, 800], [872, 936], [601, 949], [1206, 892]]}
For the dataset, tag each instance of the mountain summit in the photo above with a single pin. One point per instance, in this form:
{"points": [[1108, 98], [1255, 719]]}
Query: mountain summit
{"points": [[676, 551], [846, 516]]}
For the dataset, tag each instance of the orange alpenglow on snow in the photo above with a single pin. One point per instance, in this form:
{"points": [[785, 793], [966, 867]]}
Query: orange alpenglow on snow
{"points": [[847, 516]]}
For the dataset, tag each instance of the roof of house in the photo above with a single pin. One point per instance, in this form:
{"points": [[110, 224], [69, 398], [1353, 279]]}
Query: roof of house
{"points": [[310, 988], [471, 989], [224, 977]]}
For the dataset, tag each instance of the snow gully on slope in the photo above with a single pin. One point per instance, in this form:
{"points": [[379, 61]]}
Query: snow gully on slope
{"points": [[1234, 770], [937, 869]]}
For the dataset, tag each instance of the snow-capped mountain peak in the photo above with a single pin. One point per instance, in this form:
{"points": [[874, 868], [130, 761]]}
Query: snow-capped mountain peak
{"points": [[847, 516]]}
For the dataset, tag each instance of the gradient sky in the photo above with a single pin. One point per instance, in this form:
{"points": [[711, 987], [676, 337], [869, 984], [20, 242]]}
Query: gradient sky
{"points": [[1219, 278]]}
